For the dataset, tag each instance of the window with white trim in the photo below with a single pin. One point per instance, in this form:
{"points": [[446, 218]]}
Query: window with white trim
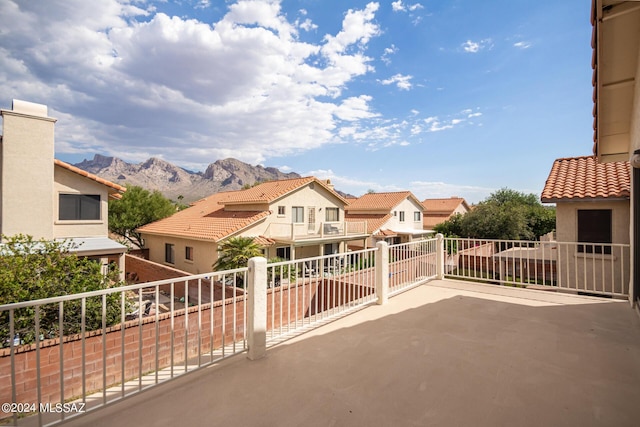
{"points": [[297, 214], [332, 214]]}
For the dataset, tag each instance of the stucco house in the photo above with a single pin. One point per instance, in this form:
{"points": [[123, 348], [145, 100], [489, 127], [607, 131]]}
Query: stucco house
{"points": [[616, 95], [291, 219], [437, 211], [49, 199], [395, 217], [592, 207]]}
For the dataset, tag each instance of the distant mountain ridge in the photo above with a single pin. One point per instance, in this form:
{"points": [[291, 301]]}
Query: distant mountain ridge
{"points": [[173, 181]]}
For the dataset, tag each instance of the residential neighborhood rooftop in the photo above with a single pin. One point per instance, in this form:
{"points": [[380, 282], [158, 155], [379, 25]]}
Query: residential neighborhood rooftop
{"points": [[578, 178], [205, 220], [443, 206], [378, 201], [118, 188], [437, 211], [270, 191]]}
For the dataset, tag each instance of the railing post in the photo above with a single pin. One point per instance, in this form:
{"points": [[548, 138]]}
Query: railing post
{"points": [[440, 256], [257, 308], [382, 272]]}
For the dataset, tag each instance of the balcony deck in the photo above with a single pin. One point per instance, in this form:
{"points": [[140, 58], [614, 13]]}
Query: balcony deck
{"points": [[444, 353]]}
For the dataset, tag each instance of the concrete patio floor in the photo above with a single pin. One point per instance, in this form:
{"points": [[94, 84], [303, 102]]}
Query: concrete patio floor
{"points": [[443, 354]]}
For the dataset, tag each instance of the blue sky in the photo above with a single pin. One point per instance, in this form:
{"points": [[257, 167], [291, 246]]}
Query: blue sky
{"points": [[442, 98]]}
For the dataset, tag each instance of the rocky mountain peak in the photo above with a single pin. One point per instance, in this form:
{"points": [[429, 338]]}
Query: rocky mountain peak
{"points": [[173, 181]]}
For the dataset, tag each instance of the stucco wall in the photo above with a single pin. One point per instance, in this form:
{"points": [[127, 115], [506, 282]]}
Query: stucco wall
{"points": [[597, 272], [204, 253], [27, 175], [567, 219], [67, 182], [316, 197]]}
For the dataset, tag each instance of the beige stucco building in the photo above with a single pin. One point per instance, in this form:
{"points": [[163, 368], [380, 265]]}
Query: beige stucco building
{"points": [[291, 219], [395, 217], [437, 211], [49, 199], [592, 220], [616, 95]]}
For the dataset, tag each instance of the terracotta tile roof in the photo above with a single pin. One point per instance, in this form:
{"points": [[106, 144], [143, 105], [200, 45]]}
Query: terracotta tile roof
{"points": [[269, 191], [428, 222], [374, 221], [577, 178], [444, 206], [205, 220], [113, 186], [379, 201], [385, 233], [264, 241]]}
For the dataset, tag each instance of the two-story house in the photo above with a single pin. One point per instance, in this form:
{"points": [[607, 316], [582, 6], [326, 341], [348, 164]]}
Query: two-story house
{"points": [[291, 219], [437, 211], [49, 199], [395, 217]]}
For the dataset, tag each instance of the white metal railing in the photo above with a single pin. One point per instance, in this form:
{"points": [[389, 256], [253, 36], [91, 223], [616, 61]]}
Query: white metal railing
{"points": [[594, 268], [411, 264], [98, 347], [307, 292]]}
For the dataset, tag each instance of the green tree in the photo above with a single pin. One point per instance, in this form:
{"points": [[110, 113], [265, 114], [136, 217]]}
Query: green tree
{"points": [[136, 208], [506, 214], [37, 269], [450, 228], [235, 253]]}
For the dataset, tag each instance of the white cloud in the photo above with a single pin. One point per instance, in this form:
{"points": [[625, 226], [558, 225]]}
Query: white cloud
{"points": [[388, 51], [475, 47], [133, 82], [402, 82], [398, 6], [522, 45], [308, 25]]}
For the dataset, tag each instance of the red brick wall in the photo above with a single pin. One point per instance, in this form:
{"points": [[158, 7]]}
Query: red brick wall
{"points": [[26, 356]]}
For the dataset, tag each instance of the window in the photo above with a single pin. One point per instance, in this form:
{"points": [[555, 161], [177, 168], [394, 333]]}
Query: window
{"points": [[332, 214], [417, 216], [188, 253], [281, 211], [169, 253], [401, 216], [79, 207], [284, 252], [594, 226], [297, 213]]}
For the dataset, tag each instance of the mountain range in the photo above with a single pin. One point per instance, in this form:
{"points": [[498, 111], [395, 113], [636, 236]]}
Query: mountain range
{"points": [[173, 181]]}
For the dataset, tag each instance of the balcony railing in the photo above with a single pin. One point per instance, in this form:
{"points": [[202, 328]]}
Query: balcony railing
{"points": [[98, 347], [141, 335], [592, 268], [302, 231]]}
